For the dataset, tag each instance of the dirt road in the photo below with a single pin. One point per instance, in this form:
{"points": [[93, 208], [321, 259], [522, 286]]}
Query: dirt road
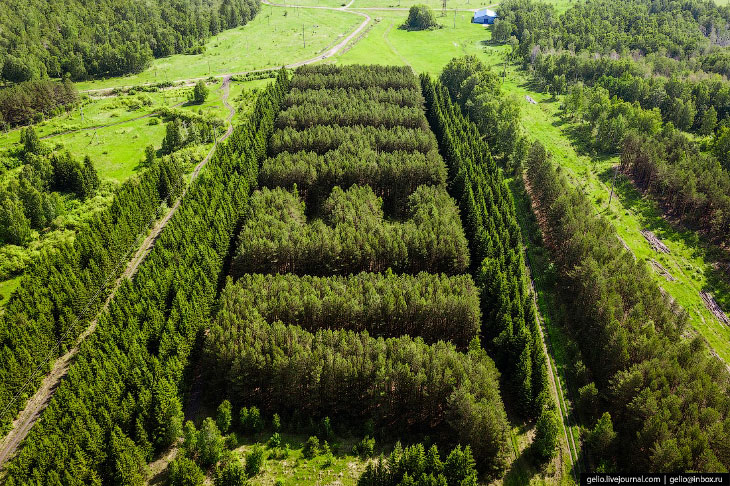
{"points": [[35, 406]]}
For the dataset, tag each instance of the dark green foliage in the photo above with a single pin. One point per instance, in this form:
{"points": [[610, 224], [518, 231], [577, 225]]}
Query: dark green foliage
{"points": [[232, 474], [184, 472], [405, 97], [23, 103], [106, 38], [323, 138], [691, 185], [186, 130], [547, 429], [479, 93], [420, 17], [254, 461], [435, 307], [360, 378], [311, 447], [251, 421], [151, 325], [330, 76], [352, 236], [350, 112], [488, 214], [630, 336], [209, 443], [392, 175], [224, 417], [414, 466], [70, 175], [365, 447], [56, 288], [200, 92]]}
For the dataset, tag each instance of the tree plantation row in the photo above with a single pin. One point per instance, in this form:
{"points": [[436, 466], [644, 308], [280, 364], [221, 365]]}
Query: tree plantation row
{"points": [[329, 97], [48, 310], [655, 401], [120, 403], [392, 176], [352, 234], [432, 306], [401, 384]]}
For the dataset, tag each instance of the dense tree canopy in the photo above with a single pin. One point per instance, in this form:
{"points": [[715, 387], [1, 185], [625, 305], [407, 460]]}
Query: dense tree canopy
{"points": [[666, 395], [435, 307], [118, 378], [352, 234], [50, 38]]}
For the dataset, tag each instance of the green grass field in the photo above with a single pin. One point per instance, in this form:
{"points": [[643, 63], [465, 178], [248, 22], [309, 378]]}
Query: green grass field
{"points": [[271, 39], [424, 51]]}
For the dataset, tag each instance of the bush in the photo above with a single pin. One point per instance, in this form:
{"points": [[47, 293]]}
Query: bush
{"points": [[184, 472], [200, 92], [232, 474], [223, 418], [251, 420], [420, 17], [311, 447], [274, 441], [254, 461], [365, 447]]}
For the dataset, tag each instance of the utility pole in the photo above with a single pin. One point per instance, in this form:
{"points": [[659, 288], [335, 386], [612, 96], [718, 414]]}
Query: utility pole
{"points": [[303, 39], [454, 18], [613, 182]]}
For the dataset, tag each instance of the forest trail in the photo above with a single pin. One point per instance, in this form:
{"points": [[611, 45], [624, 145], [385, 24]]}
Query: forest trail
{"points": [[557, 387], [36, 404]]}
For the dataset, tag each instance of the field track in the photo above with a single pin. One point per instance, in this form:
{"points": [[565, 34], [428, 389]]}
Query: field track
{"points": [[36, 404]]}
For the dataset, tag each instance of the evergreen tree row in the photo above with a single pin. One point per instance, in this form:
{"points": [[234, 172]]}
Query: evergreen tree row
{"points": [[349, 113], [119, 403], [414, 466], [31, 101], [107, 37], [399, 383], [336, 96], [352, 236], [330, 76], [666, 395], [487, 208], [49, 309], [323, 138], [433, 307], [392, 176]]}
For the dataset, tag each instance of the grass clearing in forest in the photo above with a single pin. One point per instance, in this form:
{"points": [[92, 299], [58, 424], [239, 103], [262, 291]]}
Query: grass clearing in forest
{"points": [[690, 260], [273, 38]]}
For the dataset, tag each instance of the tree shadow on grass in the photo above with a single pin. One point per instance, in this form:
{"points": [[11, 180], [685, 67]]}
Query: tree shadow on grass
{"points": [[651, 217]]}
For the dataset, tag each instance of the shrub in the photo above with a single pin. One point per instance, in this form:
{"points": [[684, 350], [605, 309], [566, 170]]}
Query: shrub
{"points": [[254, 461], [311, 447], [184, 472]]}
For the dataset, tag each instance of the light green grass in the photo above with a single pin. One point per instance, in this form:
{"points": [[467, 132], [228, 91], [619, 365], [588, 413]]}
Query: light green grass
{"points": [[271, 39], [425, 51], [688, 261], [7, 287], [436, 5]]}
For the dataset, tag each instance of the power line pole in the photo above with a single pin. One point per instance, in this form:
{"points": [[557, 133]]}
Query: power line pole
{"points": [[303, 39], [454, 18]]}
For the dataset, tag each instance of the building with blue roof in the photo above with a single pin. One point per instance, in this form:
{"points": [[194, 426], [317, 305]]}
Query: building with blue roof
{"points": [[484, 16]]}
